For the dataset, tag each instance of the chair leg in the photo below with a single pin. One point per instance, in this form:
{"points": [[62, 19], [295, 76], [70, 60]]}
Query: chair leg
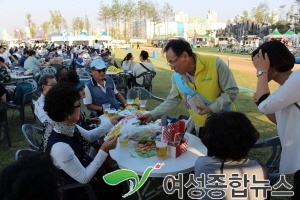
{"points": [[22, 117], [32, 108], [6, 132]]}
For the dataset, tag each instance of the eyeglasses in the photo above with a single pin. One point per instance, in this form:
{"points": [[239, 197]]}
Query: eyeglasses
{"points": [[173, 62], [78, 106]]}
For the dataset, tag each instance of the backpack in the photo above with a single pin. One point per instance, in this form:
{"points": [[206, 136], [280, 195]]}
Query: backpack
{"points": [[21, 89]]}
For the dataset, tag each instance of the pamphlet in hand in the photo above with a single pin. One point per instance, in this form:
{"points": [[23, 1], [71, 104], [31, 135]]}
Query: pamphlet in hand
{"points": [[193, 101]]}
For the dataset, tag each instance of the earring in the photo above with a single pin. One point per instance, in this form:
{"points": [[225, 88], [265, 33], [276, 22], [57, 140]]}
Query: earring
{"points": [[69, 117]]}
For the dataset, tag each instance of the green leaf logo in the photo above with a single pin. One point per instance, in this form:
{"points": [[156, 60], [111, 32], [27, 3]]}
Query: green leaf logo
{"points": [[121, 175]]}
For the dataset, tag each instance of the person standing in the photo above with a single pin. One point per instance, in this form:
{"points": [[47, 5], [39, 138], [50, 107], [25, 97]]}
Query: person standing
{"points": [[274, 61], [97, 47], [207, 77]]}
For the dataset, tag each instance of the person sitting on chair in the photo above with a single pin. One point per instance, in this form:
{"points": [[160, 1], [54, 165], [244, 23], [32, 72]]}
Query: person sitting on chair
{"points": [[31, 177], [67, 142], [72, 77], [4, 72], [229, 136], [128, 63], [46, 82], [144, 66], [101, 89]]}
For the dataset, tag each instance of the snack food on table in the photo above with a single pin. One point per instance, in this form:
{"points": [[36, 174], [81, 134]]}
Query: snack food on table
{"points": [[115, 131], [145, 146], [113, 69]]}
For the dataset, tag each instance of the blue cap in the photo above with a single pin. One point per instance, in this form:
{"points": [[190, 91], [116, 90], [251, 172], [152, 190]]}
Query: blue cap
{"points": [[98, 64]]}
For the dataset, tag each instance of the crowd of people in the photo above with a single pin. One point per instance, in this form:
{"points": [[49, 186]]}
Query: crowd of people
{"points": [[204, 84]]}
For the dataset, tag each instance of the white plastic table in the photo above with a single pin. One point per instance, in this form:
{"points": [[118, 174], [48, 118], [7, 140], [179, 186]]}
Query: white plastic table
{"points": [[127, 158]]}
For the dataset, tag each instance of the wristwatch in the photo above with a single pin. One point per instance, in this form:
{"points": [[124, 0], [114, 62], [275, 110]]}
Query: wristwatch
{"points": [[260, 72]]}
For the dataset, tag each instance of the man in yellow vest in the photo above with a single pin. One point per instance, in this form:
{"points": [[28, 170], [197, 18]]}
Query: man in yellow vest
{"points": [[204, 83]]}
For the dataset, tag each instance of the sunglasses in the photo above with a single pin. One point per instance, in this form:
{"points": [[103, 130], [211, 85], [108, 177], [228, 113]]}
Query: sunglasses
{"points": [[100, 70]]}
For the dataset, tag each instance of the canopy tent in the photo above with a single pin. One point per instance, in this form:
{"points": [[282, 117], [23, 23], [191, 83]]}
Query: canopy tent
{"points": [[83, 33], [290, 34], [275, 33]]}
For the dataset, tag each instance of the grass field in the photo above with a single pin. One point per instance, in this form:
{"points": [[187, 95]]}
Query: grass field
{"points": [[161, 87]]}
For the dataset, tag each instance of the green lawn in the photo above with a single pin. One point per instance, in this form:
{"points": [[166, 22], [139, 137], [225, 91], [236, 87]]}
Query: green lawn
{"points": [[161, 87]]}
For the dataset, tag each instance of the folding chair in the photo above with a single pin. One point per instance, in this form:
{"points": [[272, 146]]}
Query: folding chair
{"points": [[25, 102], [146, 78], [31, 132], [273, 158], [142, 93], [48, 70], [121, 81], [3, 121]]}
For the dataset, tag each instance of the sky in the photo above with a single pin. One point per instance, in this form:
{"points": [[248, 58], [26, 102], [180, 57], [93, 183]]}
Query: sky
{"points": [[14, 11]]}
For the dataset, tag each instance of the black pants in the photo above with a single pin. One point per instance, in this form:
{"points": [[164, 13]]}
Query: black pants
{"points": [[296, 185]]}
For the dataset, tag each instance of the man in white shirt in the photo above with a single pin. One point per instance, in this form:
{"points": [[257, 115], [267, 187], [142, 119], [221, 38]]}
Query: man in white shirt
{"points": [[100, 90], [46, 82], [6, 55], [142, 67], [97, 47]]}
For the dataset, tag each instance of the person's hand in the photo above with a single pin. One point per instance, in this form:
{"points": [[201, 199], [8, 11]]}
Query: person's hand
{"points": [[95, 120], [114, 120], [109, 144], [204, 110], [255, 98], [145, 118], [260, 62]]}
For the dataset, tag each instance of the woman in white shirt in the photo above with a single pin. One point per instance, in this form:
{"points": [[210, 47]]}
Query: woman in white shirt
{"points": [[128, 63], [66, 142], [274, 61]]}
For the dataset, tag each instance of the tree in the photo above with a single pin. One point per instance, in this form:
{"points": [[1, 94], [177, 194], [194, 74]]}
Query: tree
{"points": [[167, 12], [77, 25], [116, 11], [154, 16], [128, 13], [261, 12], [57, 21], [45, 26], [245, 15], [31, 25], [104, 15], [281, 12], [87, 24]]}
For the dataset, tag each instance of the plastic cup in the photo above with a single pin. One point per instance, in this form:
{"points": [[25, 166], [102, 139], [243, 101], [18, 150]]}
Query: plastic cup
{"points": [[130, 101], [111, 112], [123, 140], [161, 149], [106, 108], [143, 105]]}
